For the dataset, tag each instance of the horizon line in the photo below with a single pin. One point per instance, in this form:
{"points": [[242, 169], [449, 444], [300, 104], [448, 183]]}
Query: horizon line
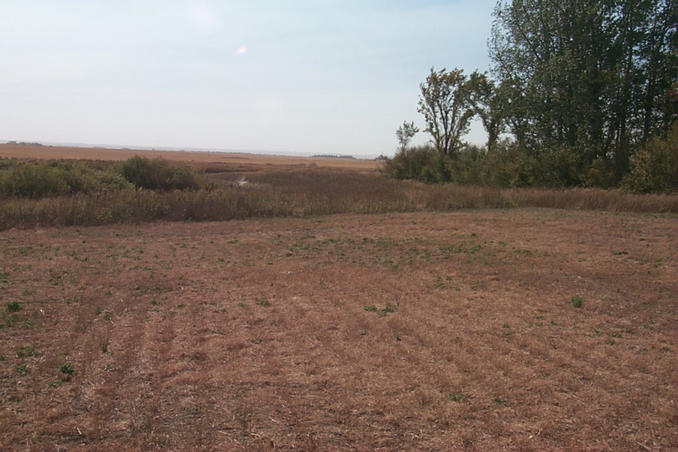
{"points": [[186, 149]]}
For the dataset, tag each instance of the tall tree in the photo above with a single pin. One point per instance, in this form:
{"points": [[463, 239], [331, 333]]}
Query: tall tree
{"points": [[587, 77], [488, 102], [444, 103]]}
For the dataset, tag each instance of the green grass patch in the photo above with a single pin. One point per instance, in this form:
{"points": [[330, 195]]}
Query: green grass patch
{"points": [[577, 301]]}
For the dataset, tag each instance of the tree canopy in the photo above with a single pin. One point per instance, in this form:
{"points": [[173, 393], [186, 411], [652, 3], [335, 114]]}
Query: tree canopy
{"points": [[444, 104], [578, 87], [590, 77]]}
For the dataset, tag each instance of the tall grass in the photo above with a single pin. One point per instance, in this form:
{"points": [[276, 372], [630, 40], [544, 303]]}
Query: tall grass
{"points": [[301, 193]]}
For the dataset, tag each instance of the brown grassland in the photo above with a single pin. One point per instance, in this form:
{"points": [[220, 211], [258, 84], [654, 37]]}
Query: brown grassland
{"points": [[394, 328], [233, 159]]}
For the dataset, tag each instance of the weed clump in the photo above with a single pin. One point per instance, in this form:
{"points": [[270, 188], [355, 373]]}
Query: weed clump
{"points": [[67, 369], [577, 301], [13, 306], [26, 352], [387, 310], [457, 397], [263, 302]]}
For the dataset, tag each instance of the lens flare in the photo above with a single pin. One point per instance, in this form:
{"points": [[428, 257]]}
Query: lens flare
{"points": [[240, 50]]}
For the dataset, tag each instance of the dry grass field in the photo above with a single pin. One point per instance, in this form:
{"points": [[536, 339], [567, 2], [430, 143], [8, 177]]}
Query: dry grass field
{"points": [[234, 160], [530, 329]]}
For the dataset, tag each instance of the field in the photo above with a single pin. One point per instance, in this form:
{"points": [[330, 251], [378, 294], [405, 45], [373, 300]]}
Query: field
{"points": [[524, 328], [232, 159]]}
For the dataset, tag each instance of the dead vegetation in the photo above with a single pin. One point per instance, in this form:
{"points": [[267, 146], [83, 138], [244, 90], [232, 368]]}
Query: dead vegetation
{"points": [[279, 192], [398, 331], [217, 187]]}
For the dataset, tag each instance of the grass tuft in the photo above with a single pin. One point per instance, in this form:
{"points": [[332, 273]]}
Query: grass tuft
{"points": [[577, 301], [13, 306], [67, 369]]}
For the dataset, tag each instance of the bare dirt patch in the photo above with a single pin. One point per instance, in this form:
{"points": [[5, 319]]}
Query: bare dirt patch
{"points": [[399, 331]]}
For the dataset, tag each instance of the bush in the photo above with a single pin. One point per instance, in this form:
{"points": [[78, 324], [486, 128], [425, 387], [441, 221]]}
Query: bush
{"points": [[601, 174], [409, 163], [29, 179], [184, 178], [146, 173], [40, 179], [159, 174], [508, 165], [111, 182], [654, 168]]}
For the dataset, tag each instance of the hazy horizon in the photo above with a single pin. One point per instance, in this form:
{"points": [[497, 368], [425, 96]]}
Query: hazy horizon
{"points": [[304, 77]]}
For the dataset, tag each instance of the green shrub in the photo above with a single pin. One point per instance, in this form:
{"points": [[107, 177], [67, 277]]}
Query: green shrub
{"points": [[32, 180], [40, 179], [654, 168], [506, 166], [184, 178], [409, 163], [111, 182], [159, 174], [146, 173], [601, 173]]}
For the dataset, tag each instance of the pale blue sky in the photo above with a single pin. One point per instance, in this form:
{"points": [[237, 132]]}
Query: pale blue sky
{"points": [[298, 76]]}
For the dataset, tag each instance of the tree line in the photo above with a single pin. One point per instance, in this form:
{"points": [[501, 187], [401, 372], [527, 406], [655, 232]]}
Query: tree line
{"points": [[580, 93]]}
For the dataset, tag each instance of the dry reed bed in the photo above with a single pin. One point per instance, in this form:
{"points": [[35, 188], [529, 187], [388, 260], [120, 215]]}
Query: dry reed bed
{"points": [[302, 194]]}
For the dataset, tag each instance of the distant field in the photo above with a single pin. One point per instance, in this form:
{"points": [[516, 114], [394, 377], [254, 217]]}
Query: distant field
{"points": [[233, 159], [529, 329]]}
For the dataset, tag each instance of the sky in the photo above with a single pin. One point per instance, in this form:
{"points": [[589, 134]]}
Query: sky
{"points": [[283, 76]]}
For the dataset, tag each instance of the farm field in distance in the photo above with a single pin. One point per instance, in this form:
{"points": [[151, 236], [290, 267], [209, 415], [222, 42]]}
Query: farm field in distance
{"points": [[235, 159], [523, 328]]}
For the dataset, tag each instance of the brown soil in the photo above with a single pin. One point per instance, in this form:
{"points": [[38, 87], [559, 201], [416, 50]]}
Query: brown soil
{"points": [[243, 160], [401, 331]]}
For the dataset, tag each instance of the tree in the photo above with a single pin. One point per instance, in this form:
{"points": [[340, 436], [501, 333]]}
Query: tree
{"points": [[405, 133], [587, 78], [445, 105], [488, 102]]}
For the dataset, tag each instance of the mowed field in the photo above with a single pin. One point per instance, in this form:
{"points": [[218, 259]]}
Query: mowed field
{"points": [[396, 331]]}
